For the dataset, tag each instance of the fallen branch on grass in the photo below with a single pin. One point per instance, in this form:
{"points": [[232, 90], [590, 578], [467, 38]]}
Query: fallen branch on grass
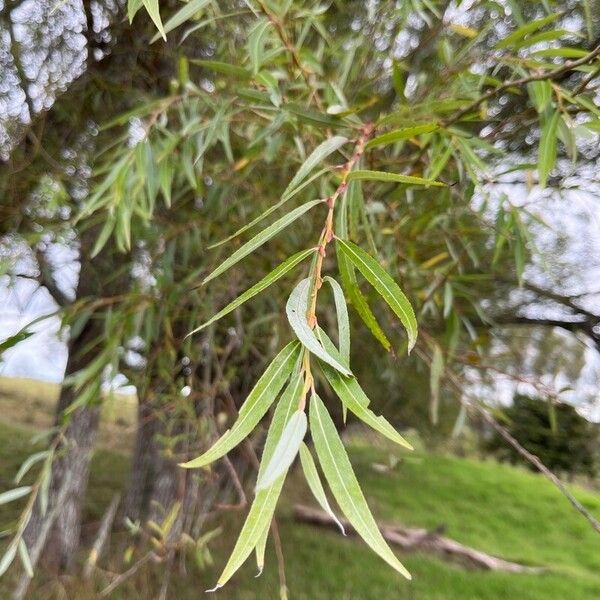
{"points": [[409, 538]]}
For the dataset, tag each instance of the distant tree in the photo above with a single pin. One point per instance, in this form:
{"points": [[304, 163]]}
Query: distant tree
{"points": [[558, 435]]}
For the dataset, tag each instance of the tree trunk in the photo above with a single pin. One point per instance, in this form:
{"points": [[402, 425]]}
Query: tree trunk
{"points": [[74, 454], [156, 481]]}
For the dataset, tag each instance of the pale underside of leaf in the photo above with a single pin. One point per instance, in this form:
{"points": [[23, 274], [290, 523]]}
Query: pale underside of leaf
{"points": [[263, 284], [182, 15], [264, 236], [261, 546], [344, 485], [296, 310], [314, 483], [286, 450], [261, 512], [342, 319], [387, 288], [255, 407]]}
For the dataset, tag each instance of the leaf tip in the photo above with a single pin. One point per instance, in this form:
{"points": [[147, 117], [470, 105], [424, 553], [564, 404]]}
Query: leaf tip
{"points": [[214, 589]]}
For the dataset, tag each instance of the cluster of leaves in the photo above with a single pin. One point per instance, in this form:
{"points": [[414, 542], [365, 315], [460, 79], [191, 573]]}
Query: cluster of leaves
{"points": [[269, 81]]}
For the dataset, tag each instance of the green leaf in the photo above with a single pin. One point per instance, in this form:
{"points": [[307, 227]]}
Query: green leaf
{"points": [[521, 32], [13, 340], [271, 209], [593, 125], [312, 117], [154, 12], [296, 310], [254, 408], [261, 512], [24, 556], [264, 236], [255, 43], [540, 93], [286, 450], [547, 149], [358, 301], [261, 546], [401, 134], [354, 399], [14, 494], [277, 273], [564, 52], [314, 483], [344, 485], [342, 318], [321, 152], [104, 235], [8, 557], [132, 7], [29, 462], [388, 289], [222, 67], [435, 375], [391, 177], [182, 15]]}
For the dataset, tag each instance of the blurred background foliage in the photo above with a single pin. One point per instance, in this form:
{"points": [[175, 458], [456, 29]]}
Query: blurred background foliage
{"points": [[125, 157]]}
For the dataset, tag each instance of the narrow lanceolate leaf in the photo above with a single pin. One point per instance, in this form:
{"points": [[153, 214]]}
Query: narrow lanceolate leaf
{"points": [[521, 32], [222, 67], [183, 14], [296, 310], [391, 178], [154, 12], [321, 152], [342, 319], [261, 512], [344, 485], [547, 150], [14, 494], [29, 462], [356, 401], [388, 289], [436, 372], [25, 559], [264, 236], [358, 301], [401, 134], [314, 483], [255, 407], [13, 340], [270, 210], [286, 450], [261, 546], [263, 284], [8, 557], [348, 276]]}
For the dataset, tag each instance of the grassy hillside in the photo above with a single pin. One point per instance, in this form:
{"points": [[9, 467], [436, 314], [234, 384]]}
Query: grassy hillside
{"points": [[31, 404], [505, 511]]}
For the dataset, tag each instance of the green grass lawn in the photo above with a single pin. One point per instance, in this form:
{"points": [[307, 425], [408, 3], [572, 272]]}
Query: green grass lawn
{"points": [[499, 509]]}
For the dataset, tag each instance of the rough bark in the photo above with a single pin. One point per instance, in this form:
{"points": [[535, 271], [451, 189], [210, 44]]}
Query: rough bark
{"points": [[73, 462]]}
